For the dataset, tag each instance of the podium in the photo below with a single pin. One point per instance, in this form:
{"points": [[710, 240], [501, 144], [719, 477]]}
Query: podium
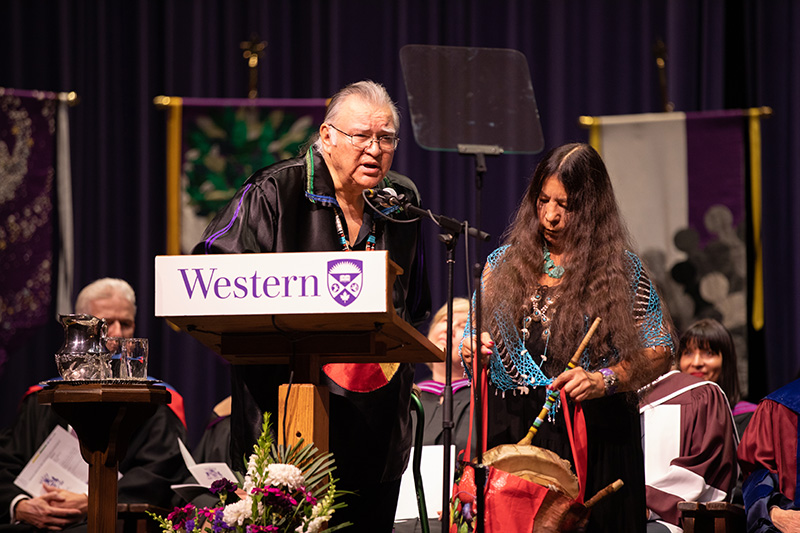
{"points": [[301, 309]]}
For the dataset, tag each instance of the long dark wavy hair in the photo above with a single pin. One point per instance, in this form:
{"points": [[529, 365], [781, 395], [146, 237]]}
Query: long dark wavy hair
{"points": [[596, 281], [709, 334]]}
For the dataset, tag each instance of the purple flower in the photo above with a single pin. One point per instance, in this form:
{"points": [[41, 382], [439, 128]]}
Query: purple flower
{"points": [[218, 524], [180, 515], [466, 511], [223, 485], [260, 529]]}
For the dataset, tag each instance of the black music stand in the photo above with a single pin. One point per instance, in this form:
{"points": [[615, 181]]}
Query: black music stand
{"points": [[474, 101]]}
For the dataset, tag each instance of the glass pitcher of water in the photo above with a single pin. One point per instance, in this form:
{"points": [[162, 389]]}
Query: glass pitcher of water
{"points": [[84, 355]]}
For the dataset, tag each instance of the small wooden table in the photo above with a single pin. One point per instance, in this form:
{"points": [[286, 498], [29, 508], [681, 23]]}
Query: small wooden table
{"points": [[105, 414]]}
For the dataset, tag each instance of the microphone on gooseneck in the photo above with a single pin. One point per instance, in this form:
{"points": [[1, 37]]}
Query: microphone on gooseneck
{"points": [[386, 197]]}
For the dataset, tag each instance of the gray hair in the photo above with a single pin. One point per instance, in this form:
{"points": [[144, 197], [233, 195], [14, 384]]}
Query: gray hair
{"points": [[368, 91], [101, 289]]}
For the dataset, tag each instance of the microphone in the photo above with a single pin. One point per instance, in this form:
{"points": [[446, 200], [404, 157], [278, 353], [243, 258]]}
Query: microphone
{"points": [[387, 197]]}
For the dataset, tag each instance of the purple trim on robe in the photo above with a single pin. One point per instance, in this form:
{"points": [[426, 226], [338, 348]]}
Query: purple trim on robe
{"points": [[743, 407], [437, 388], [224, 230]]}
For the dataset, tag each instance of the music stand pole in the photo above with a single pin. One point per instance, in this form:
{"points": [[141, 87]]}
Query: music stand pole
{"points": [[455, 98], [480, 152], [453, 229]]}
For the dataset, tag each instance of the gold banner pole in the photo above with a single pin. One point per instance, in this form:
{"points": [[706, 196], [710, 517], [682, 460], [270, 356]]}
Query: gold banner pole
{"points": [[174, 106], [755, 114]]}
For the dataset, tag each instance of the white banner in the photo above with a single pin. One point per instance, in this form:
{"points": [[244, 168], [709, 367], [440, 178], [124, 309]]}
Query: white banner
{"points": [[646, 159]]}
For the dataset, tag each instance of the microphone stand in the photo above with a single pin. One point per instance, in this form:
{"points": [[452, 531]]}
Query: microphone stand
{"points": [[453, 229]]}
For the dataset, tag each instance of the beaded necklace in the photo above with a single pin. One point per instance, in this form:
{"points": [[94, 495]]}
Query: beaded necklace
{"points": [[550, 267], [346, 245]]}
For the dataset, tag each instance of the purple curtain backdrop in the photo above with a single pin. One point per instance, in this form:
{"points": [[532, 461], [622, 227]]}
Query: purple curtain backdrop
{"points": [[585, 58]]}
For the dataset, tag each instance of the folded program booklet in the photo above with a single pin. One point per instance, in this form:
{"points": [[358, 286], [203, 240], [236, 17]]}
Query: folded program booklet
{"points": [[204, 473], [58, 463]]}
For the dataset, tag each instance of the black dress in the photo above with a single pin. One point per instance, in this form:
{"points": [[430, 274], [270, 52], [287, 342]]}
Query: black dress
{"points": [[614, 443]]}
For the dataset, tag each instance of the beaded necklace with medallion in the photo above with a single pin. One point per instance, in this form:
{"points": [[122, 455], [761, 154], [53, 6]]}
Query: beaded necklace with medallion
{"points": [[346, 245]]}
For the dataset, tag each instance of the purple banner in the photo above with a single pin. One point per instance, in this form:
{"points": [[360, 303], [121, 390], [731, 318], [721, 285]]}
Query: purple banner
{"points": [[27, 160], [715, 169]]}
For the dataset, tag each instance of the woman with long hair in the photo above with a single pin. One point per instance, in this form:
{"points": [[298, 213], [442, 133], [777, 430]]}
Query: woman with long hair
{"points": [[565, 260]]}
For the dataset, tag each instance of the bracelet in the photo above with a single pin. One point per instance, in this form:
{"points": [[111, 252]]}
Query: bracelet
{"points": [[610, 380]]}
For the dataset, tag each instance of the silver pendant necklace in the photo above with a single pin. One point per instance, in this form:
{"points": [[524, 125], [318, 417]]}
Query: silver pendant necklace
{"points": [[541, 311]]}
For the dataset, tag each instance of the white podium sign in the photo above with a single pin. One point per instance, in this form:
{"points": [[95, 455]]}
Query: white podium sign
{"points": [[270, 284]]}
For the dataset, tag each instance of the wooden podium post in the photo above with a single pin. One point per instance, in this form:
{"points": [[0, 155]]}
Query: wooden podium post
{"points": [[291, 308], [306, 414], [304, 405]]}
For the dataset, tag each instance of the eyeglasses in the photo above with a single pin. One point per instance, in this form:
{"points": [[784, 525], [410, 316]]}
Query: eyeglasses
{"points": [[387, 143]]}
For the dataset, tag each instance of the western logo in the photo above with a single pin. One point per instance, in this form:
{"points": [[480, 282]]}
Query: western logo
{"points": [[345, 277]]}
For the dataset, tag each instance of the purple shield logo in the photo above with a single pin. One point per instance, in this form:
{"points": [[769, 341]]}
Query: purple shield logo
{"points": [[345, 277]]}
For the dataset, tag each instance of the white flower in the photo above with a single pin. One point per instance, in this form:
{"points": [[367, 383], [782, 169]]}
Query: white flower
{"points": [[314, 526], [316, 511], [286, 475], [317, 520], [249, 484], [238, 512]]}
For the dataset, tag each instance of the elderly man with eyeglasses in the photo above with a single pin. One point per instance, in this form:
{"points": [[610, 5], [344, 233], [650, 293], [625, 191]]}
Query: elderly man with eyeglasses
{"points": [[315, 203]]}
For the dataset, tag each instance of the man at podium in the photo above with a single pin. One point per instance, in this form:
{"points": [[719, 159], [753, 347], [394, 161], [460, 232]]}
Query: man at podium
{"points": [[314, 203]]}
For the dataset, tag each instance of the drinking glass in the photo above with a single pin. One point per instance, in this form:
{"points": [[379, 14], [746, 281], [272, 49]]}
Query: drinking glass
{"points": [[135, 352]]}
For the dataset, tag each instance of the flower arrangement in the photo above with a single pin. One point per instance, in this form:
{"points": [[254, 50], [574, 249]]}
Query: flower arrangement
{"points": [[285, 490]]}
